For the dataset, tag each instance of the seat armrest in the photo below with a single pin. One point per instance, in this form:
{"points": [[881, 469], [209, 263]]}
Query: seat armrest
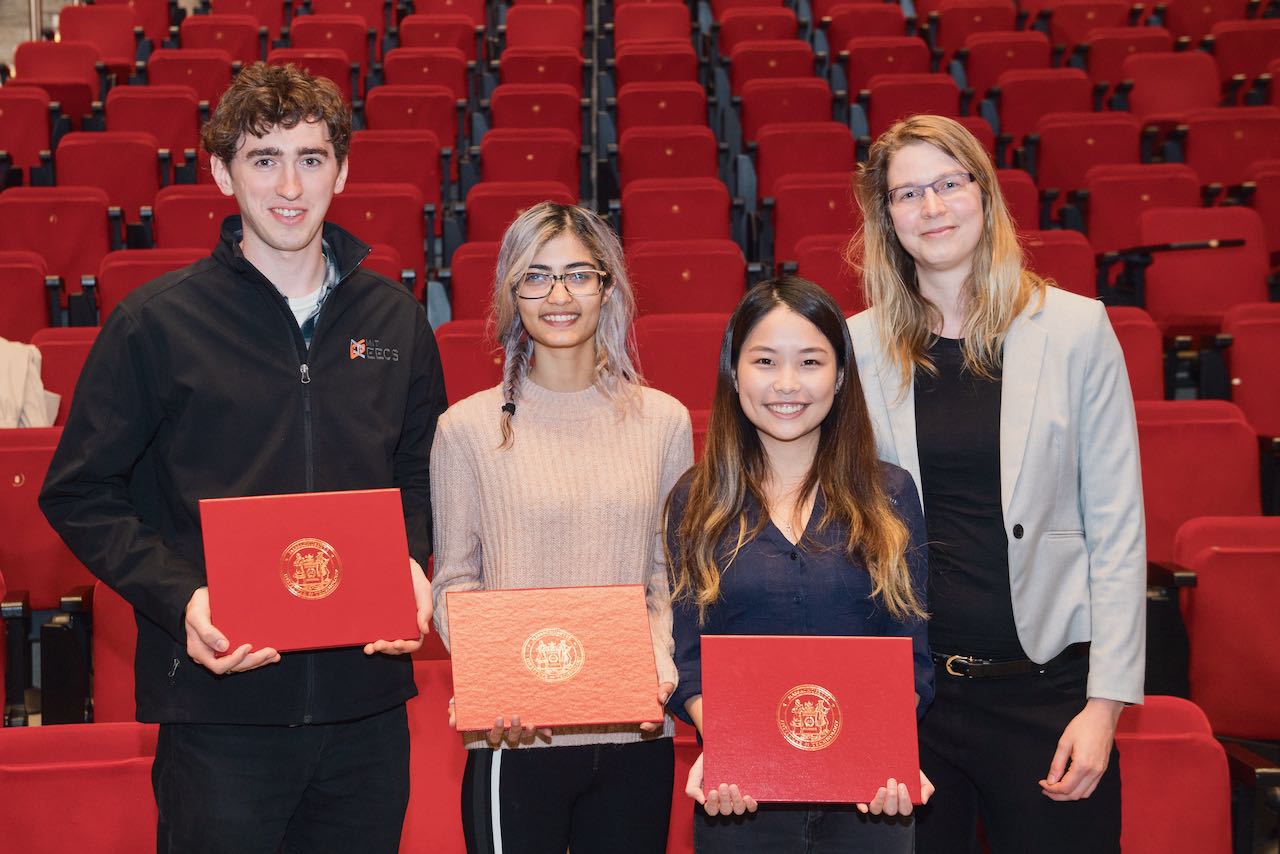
{"points": [[1169, 574]]}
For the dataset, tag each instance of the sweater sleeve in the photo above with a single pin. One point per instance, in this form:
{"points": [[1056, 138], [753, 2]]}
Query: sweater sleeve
{"points": [[87, 493], [459, 561], [676, 459]]}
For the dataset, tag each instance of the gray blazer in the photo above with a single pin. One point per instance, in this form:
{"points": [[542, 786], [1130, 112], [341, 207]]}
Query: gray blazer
{"points": [[1070, 482]]}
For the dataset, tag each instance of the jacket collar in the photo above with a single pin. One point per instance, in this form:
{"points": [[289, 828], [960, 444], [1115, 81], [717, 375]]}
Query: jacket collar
{"points": [[1021, 361], [348, 250]]}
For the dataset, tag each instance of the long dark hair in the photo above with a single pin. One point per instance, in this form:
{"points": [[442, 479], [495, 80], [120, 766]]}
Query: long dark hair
{"points": [[734, 465]]}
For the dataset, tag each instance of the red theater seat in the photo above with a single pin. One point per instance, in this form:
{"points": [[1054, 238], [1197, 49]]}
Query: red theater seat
{"points": [[1253, 356], [471, 280], [63, 350], [1140, 341], [1064, 256], [41, 219], [123, 271], [24, 300], [437, 759], [34, 558], [80, 787], [1199, 458], [682, 276], [115, 634], [1156, 818], [680, 354], [471, 361]]}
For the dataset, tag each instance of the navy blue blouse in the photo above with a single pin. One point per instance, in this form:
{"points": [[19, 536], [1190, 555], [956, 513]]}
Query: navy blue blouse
{"points": [[776, 588]]}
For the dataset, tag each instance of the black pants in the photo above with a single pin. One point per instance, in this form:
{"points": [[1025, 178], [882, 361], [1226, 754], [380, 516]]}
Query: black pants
{"points": [[591, 799], [986, 744], [820, 829], [338, 788]]}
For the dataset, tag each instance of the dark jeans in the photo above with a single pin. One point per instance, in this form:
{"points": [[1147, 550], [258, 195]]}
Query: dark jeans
{"points": [[338, 788], [795, 829], [986, 744], [590, 799]]}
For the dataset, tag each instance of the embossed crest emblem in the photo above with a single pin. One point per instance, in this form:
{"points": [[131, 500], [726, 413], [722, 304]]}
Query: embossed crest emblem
{"points": [[310, 568], [809, 717], [553, 655]]}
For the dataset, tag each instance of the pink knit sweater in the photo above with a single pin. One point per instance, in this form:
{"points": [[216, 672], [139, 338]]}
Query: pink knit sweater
{"points": [[577, 500]]}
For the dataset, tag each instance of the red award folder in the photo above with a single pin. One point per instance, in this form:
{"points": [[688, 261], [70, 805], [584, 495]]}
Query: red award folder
{"points": [[559, 656], [809, 719], [308, 571]]}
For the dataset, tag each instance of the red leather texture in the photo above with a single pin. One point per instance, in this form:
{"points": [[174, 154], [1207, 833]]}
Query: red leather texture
{"points": [[556, 657], [808, 719], [270, 585]]}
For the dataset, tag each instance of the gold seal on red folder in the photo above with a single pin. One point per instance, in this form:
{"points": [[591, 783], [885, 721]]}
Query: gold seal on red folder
{"points": [[310, 568], [809, 717], [553, 655]]}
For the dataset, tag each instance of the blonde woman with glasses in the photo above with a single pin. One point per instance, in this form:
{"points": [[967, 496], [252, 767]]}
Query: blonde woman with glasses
{"points": [[1008, 402], [557, 478]]}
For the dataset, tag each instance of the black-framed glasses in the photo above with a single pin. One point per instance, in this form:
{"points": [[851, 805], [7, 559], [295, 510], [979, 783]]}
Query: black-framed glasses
{"points": [[538, 284], [947, 185]]}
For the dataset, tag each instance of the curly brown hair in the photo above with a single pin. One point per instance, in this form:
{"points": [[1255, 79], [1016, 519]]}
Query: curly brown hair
{"points": [[263, 97]]}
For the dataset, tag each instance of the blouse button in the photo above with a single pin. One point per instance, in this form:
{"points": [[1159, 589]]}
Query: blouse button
{"points": [[795, 556], [1017, 532]]}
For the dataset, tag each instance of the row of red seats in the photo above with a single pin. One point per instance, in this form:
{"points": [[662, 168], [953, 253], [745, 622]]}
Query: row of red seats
{"points": [[802, 207], [1182, 477], [107, 766]]}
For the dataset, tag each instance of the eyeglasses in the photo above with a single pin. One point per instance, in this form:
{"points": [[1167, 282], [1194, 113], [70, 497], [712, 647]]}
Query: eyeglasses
{"points": [[947, 185], [535, 284]]}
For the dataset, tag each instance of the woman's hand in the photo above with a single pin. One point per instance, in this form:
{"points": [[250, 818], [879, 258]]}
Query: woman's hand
{"points": [[725, 799], [664, 691], [894, 799], [513, 733], [1087, 743]]}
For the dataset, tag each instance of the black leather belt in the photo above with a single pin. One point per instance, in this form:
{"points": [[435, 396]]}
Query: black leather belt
{"points": [[970, 667]]}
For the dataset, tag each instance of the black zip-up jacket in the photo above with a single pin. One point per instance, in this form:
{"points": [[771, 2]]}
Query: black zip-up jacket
{"points": [[200, 386]]}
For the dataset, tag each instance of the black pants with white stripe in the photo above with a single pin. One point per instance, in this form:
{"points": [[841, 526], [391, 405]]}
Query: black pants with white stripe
{"points": [[605, 798]]}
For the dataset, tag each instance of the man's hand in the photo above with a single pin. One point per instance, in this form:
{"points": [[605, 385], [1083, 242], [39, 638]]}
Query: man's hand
{"points": [[205, 642], [1087, 743], [422, 599]]}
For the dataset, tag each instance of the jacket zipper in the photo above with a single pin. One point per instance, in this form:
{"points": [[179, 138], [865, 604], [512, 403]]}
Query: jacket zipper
{"points": [[305, 370], [304, 376]]}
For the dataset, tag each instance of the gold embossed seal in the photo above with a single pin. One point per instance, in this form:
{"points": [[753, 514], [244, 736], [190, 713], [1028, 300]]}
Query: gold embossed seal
{"points": [[809, 717], [310, 568], [553, 655]]}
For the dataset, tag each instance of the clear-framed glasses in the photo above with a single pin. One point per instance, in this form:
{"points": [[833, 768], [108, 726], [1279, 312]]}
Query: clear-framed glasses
{"points": [[538, 284], [947, 185]]}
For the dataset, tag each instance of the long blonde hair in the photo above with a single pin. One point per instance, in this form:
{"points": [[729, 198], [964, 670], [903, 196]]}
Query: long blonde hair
{"points": [[998, 287], [617, 374], [713, 527]]}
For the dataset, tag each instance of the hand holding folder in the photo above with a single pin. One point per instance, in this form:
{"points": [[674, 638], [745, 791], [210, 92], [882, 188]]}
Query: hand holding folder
{"points": [[208, 647], [422, 601]]}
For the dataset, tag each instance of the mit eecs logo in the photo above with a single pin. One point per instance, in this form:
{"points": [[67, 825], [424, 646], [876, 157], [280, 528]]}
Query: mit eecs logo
{"points": [[371, 348]]}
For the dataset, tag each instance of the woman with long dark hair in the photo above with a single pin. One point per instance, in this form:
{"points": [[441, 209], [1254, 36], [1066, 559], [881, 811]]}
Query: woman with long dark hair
{"points": [[1008, 401], [790, 525]]}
